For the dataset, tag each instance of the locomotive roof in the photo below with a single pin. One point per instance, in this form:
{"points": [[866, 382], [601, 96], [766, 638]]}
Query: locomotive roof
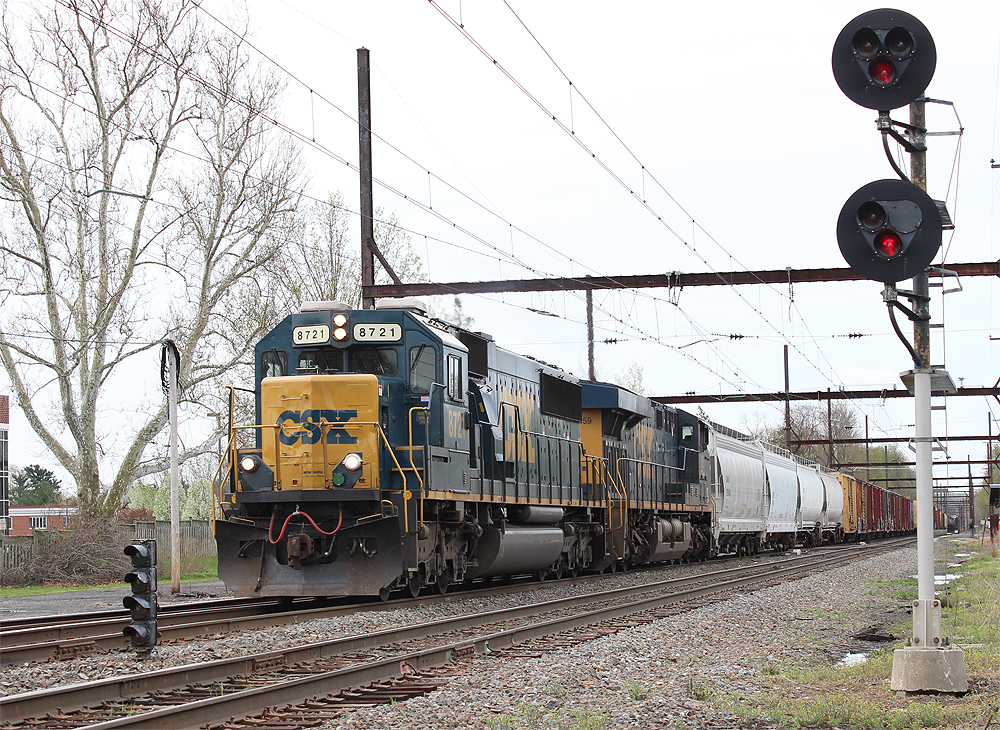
{"points": [[609, 395]]}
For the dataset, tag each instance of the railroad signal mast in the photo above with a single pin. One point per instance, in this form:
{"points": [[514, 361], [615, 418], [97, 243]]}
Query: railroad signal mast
{"points": [[142, 604], [888, 231]]}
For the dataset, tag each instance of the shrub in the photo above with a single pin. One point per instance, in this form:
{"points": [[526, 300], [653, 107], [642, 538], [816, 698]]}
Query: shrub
{"points": [[88, 553]]}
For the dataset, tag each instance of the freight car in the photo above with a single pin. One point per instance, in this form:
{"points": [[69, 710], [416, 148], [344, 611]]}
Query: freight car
{"points": [[392, 451]]}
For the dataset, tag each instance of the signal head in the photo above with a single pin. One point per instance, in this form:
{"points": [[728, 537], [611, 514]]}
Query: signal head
{"points": [[884, 59], [889, 230], [142, 553]]}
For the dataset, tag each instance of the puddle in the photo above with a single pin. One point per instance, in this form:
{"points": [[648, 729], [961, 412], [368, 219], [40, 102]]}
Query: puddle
{"points": [[852, 660]]}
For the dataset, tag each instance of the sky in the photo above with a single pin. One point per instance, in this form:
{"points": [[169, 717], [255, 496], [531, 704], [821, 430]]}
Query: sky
{"points": [[686, 137]]}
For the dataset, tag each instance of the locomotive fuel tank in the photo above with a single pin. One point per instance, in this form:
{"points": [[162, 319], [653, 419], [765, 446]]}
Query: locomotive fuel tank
{"points": [[517, 549]]}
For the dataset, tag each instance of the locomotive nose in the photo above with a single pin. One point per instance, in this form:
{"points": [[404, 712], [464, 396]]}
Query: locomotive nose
{"points": [[324, 433]]}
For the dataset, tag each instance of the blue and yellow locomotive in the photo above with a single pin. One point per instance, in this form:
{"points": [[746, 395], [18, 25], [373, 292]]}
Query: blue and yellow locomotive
{"points": [[396, 451]]}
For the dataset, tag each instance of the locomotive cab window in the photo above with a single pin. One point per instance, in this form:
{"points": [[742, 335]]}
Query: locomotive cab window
{"points": [[375, 360], [320, 362], [423, 368], [273, 364], [455, 390], [687, 433]]}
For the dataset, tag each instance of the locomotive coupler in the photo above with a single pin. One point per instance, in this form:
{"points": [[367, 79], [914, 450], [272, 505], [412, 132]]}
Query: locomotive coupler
{"points": [[300, 547]]}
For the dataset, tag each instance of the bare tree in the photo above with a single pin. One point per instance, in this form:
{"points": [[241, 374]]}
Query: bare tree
{"points": [[811, 422], [323, 262], [145, 188]]}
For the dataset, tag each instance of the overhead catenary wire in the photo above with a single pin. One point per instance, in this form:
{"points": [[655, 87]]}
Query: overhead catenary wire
{"points": [[615, 176], [469, 233]]}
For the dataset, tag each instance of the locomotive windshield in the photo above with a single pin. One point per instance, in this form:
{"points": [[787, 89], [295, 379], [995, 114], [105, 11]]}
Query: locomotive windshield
{"points": [[320, 362], [326, 361], [423, 368], [375, 360]]}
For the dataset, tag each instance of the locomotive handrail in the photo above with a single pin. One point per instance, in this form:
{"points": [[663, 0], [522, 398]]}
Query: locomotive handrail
{"points": [[618, 466], [619, 490], [520, 431], [406, 492], [560, 440], [217, 478], [517, 430]]}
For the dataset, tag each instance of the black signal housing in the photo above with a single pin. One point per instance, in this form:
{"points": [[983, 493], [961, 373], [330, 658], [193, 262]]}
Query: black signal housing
{"points": [[889, 230], [884, 59]]}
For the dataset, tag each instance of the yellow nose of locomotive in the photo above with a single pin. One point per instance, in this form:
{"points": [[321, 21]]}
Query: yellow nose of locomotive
{"points": [[321, 431]]}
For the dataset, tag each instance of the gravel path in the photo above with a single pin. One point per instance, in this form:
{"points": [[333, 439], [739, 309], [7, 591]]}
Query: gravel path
{"points": [[646, 677]]}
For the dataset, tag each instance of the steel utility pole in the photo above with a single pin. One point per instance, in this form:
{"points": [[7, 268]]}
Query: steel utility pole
{"points": [[890, 231], [365, 165], [591, 370], [928, 662]]}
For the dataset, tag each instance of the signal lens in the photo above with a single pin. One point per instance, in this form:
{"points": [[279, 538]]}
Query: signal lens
{"points": [[339, 320], [866, 43], [899, 42], [872, 216], [889, 244], [352, 462], [340, 334], [248, 464], [882, 71]]}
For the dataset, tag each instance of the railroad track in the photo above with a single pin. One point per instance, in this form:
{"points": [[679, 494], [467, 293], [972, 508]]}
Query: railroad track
{"points": [[387, 665], [77, 635]]}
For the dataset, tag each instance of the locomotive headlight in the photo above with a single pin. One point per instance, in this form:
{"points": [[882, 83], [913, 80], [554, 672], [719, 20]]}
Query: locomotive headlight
{"points": [[248, 464], [340, 334], [340, 320], [352, 462]]}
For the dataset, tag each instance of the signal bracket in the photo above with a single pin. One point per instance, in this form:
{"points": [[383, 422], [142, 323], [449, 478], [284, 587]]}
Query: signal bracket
{"points": [[916, 139], [890, 295]]}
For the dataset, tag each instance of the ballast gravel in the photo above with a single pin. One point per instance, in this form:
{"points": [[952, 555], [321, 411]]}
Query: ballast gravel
{"points": [[650, 676]]}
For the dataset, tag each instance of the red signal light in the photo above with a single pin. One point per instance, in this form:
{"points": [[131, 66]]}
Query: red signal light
{"points": [[882, 71], [888, 244]]}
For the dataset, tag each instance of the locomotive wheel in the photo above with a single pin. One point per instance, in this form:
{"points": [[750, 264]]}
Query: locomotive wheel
{"points": [[413, 585], [443, 581]]}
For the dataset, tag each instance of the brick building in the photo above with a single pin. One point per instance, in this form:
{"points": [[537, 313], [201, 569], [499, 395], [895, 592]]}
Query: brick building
{"points": [[25, 520]]}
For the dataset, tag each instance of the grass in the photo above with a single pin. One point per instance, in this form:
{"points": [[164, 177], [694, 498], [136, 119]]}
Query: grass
{"points": [[199, 569], [527, 717], [860, 698]]}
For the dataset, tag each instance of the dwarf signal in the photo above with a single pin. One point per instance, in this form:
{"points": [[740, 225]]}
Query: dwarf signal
{"points": [[142, 604]]}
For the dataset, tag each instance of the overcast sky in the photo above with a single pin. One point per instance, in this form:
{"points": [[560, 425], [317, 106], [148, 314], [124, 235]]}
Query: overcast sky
{"points": [[704, 137]]}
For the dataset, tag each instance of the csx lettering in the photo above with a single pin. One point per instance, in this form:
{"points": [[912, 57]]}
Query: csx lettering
{"points": [[312, 429]]}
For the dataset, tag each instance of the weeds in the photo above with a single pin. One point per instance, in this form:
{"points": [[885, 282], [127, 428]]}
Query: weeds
{"points": [[700, 689], [529, 717], [636, 690], [859, 697]]}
